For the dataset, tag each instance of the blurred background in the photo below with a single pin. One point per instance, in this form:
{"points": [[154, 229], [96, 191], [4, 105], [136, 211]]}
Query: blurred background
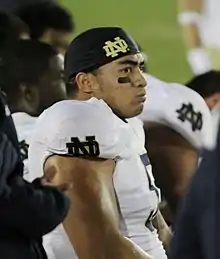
{"points": [[153, 24]]}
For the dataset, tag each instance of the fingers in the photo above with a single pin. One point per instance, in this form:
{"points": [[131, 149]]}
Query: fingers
{"points": [[61, 187]]}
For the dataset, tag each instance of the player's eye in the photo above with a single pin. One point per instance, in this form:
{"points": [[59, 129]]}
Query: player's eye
{"points": [[141, 68], [127, 70]]}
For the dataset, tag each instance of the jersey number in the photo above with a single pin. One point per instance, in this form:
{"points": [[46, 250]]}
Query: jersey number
{"points": [[152, 187], [146, 162]]}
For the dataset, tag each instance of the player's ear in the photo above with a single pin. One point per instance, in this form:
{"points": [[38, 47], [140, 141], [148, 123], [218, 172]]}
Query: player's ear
{"points": [[84, 82], [30, 98], [28, 92], [214, 100]]}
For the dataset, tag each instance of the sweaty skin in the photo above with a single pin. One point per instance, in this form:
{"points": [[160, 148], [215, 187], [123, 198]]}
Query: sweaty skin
{"points": [[93, 212]]}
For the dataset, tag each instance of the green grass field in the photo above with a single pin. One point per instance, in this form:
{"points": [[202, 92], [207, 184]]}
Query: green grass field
{"points": [[151, 22]]}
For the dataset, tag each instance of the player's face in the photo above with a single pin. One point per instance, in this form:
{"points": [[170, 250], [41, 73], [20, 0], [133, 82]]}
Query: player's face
{"points": [[122, 85], [51, 85]]}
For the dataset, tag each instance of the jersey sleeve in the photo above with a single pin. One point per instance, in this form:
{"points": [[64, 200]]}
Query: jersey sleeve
{"points": [[183, 110], [92, 123], [75, 128]]}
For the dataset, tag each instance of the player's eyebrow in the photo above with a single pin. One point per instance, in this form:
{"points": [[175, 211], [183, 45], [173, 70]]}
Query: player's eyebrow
{"points": [[131, 62]]}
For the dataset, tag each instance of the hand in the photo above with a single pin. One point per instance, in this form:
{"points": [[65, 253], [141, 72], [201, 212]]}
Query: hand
{"points": [[62, 187]]}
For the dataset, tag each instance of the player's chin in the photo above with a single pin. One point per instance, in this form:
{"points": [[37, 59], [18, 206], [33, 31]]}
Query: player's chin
{"points": [[137, 109]]}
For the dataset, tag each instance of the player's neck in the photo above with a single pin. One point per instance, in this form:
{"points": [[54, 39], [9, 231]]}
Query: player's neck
{"points": [[120, 117], [78, 96], [14, 108], [19, 107]]}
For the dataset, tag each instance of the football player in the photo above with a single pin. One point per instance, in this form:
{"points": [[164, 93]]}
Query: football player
{"points": [[96, 143]]}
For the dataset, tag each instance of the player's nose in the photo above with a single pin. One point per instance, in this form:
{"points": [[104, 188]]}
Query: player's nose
{"points": [[140, 80]]}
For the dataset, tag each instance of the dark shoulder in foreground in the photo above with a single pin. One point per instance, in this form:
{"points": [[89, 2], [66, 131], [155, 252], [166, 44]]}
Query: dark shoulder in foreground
{"points": [[197, 226]]}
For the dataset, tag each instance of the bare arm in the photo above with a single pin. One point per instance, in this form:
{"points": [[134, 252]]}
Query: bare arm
{"points": [[93, 222], [190, 25], [173, 161], [189, 17]]}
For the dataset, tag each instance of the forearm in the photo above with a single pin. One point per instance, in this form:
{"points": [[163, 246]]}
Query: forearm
{"points": [[92, 223], [189, 18], [191, 36], [94, 234], [124, 248], [109, 246]]}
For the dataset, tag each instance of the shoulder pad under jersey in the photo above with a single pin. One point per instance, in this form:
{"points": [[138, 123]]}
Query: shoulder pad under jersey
{"points": [[77, 128], [181, 109]]}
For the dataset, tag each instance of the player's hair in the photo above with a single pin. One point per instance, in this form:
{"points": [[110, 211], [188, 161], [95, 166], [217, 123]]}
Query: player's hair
{"points": [[11, 28], [25, 63], [71, 88], [206, 84], [42, 16], [145, 68]]}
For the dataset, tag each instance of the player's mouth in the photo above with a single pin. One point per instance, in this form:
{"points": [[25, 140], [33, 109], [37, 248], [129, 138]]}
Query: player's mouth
{"points": [[141, 98]]}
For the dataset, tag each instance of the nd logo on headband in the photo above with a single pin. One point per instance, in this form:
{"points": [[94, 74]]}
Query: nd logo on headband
{"points": [[113, 48]]}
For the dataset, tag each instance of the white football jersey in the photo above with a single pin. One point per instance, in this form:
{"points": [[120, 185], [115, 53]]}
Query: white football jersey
{"points": [[67, 128], [209, 25], [24, 125], [182, 110]]}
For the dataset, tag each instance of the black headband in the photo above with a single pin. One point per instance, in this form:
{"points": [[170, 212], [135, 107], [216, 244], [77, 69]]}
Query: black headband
{"points": [[97, 47]]}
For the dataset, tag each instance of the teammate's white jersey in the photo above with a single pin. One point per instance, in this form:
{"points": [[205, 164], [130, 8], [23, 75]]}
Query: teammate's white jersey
{"points": [[182, 110], [209, 25], [24, 125], [63, 128]]}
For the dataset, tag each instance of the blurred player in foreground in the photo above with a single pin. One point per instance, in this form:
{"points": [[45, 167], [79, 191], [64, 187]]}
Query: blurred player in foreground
{"points": [[197, 226], [28, 210]]}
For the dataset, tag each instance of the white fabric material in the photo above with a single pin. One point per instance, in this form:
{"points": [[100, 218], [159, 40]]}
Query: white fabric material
{"points": [[187, 18], [164, 99], [117, 140], [209, 26], [24, 125], [199, 61]]}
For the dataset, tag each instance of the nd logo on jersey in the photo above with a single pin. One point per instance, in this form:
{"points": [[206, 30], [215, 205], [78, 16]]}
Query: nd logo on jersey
{"points": [[112, 48], [77, 148], [188, 113], [23, 146]]}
